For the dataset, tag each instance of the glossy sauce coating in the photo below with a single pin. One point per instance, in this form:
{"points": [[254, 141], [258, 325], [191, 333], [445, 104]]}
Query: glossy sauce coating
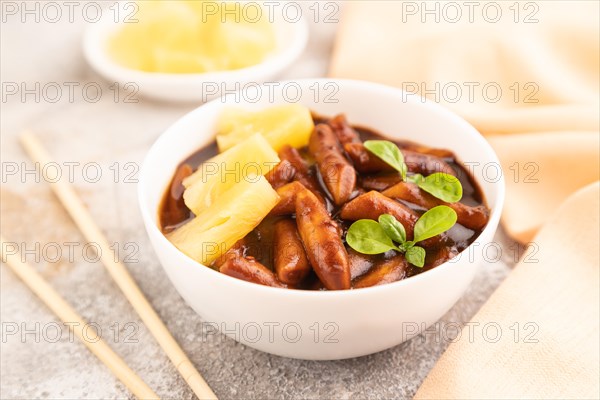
{"points": [[336, 201], [289, 256], [321, 236], [336, 171]]}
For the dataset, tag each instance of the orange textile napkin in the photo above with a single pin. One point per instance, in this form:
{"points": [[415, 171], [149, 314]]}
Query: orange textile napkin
{"points": [[525, 72], [553, 296], [542, 169]]}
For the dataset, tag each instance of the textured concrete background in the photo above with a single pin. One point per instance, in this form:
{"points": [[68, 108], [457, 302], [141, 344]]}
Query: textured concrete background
{"points": [[35, 364]]}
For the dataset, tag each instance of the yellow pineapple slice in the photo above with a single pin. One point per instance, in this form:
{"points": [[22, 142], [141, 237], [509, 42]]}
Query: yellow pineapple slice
{"points": [[253, 156], [238, 211], [245, 42], [192, 37], [163, 27], [287, 124], [183, 62]]}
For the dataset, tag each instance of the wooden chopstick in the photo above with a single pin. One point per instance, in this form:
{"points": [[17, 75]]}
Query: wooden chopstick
{"points": [[76, 323], [75, 207]]}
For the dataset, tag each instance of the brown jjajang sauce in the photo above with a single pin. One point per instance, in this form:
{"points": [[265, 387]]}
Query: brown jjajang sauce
{"points": [[258, 244]]}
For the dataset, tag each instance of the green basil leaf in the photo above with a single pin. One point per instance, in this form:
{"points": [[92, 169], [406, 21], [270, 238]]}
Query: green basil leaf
{"points": [[416, 178], [443, 186], [435, 221], [393, 228], [388, 152], [416, 256], [367, 236], [407, 245]]}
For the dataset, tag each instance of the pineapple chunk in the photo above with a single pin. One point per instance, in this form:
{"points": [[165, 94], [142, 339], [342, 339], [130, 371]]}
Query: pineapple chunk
{"points": [[135, 45], [184, 37], [280, 125], [215, 176], [238, 211], [182, 62]]}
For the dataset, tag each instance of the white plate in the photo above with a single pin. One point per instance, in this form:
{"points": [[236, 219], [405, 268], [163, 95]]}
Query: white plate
{"points": [[291, 41]]}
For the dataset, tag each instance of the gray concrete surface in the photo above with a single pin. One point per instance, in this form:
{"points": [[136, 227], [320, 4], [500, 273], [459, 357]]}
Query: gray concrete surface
{"points": [[35, 363]]}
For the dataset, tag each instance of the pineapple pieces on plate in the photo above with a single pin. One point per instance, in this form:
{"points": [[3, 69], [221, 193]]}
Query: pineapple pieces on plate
{"points": [[183, 37]]}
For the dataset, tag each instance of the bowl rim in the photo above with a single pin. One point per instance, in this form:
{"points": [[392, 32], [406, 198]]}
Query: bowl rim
{"points": [[94, 41], [153, 229]]}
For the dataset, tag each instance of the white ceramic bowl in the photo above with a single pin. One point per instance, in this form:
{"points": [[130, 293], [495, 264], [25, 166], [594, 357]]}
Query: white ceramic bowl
{"points": [[291, 41], [322, 325]]}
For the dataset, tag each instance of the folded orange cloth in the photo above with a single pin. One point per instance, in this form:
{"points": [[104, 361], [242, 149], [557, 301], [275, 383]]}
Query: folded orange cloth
{"points": [[541, 170], [542, 336], [509, 68], [526, 75]]}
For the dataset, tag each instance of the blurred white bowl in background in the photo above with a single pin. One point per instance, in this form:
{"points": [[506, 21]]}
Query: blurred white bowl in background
{"points": [[194, 87]]}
